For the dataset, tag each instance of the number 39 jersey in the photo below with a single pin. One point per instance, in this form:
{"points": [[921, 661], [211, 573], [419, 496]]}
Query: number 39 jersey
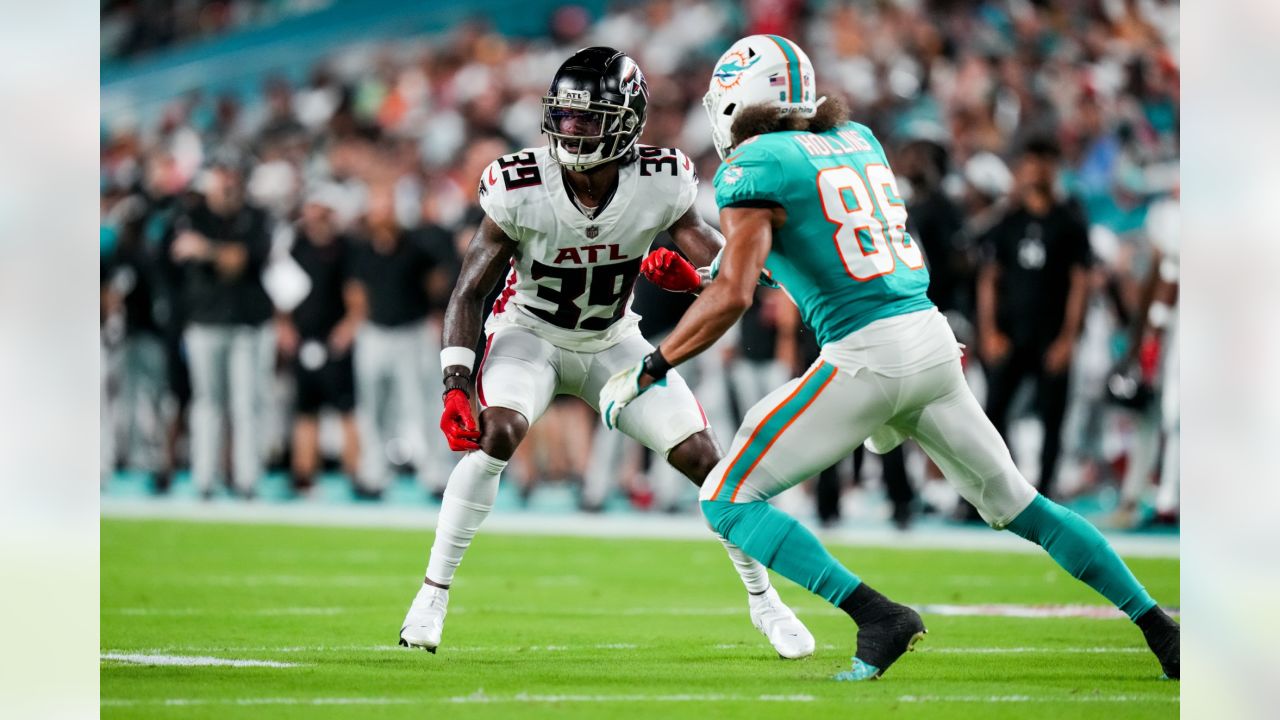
{"points": [[571, 276]]}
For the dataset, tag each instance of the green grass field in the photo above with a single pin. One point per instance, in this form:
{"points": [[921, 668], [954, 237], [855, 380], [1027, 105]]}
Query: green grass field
{"points": [[583, 628]]}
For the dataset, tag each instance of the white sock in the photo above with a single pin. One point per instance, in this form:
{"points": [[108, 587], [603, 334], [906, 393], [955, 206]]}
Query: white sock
{"points": [[468, 498], [754, 575]]}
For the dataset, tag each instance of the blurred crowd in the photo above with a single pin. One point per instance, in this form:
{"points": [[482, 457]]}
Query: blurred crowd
{"points": [[275, 267], [134, 28]]}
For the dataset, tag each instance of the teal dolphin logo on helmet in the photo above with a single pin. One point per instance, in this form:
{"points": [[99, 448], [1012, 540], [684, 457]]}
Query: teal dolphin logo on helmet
{"points": [[727, 73]]}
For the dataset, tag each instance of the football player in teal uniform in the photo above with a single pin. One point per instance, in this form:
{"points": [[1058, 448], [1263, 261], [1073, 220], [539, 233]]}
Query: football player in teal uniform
{"points": [[807, 197]]}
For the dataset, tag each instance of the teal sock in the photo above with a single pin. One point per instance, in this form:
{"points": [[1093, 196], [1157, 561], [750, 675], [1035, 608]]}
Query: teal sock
{"points": [[782, 544], [1081, 550]]}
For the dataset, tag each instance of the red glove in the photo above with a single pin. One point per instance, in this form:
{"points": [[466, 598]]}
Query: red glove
{"points": [[669, 271], [458, 423]]}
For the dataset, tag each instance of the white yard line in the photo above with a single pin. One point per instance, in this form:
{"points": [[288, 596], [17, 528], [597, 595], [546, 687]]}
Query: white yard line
{"points": [[183, 651], [182, 702], [480, 697], [293, 580], [617, 525], [181, 612], [389, 647], [1094, 612], [1036, 698], [191, 661], [1030, 650]]}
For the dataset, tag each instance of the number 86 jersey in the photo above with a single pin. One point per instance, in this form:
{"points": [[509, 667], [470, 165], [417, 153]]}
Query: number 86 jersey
{"points": [[571, 275], [844, 255]]}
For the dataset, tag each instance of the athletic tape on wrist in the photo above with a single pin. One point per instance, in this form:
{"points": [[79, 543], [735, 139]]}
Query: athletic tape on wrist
{"points": [[656, 365], [450, 356]]}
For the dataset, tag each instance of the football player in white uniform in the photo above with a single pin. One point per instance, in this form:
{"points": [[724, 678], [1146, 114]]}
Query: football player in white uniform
{"points": [[569, 225]]}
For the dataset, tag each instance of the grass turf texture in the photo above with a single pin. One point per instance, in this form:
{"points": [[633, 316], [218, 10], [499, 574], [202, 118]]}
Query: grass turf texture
{"points": [[584, 628]]}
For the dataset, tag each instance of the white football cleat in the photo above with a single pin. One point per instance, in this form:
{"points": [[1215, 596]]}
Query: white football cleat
{"points": [[424, 624], [777, 622]]}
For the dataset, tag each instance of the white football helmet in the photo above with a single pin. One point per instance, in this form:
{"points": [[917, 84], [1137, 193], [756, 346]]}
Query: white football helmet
{"points": [[758, 69]]}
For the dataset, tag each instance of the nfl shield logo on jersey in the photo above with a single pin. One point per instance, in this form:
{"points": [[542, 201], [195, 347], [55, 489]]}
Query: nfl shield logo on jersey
{"points": [[592, 232]]}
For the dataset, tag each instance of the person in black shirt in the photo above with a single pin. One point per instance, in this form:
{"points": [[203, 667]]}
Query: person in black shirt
{"points": [[317, 336], [1032, 289], [131, 271], [221, 246], [400, 278], [937, 223]]}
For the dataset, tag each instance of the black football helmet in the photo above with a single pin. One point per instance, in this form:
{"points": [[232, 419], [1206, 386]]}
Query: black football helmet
{"points": [[595, 109]]}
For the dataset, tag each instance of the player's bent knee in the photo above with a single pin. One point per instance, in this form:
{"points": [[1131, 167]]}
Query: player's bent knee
{"points": [[695, 456], [999, 499], [720, 515], [501, 430]]}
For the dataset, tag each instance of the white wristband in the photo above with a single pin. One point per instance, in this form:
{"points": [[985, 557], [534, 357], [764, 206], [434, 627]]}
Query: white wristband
{"points": [[466, 357]]}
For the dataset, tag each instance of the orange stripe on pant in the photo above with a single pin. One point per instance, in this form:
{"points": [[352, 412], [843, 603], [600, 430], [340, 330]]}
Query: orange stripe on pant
{"points": [[760, 426], [781, 430]]}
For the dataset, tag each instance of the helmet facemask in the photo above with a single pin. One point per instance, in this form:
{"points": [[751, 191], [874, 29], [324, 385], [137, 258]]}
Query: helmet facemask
{"points": [[586, 133], [721, 121]]}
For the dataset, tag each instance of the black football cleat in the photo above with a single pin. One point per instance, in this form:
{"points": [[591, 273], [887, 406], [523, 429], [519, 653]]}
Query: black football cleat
{"points": [[893, 633], [1163, 636]]}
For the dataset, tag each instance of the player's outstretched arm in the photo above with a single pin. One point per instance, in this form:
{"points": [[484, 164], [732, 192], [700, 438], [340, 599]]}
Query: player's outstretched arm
{"points": [[748, 237], [486, 261], [749, 234]]}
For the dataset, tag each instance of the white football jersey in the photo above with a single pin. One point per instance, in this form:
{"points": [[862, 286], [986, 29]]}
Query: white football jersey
{"points": [[571, 276]]}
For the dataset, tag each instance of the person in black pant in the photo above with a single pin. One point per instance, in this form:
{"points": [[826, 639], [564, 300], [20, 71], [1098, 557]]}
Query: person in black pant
{"points": [[1032, 289], [318, 337]]}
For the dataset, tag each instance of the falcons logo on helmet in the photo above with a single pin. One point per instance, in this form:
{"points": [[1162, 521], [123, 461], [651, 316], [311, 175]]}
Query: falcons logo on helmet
{"points": [[632, 79]]}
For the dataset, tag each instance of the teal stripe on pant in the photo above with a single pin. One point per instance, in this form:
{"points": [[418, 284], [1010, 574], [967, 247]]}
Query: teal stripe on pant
{"points": [[782, 544], [1081, 550]]}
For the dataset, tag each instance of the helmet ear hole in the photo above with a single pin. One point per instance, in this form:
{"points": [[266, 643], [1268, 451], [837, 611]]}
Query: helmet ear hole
{"points": [[728, 109]]}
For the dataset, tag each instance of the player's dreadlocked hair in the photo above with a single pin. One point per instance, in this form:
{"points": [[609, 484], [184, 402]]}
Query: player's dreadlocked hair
{"points": [[761, 119]]}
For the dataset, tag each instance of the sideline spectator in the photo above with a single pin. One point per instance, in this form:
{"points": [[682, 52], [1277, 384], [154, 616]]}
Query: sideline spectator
{"points": [[317, 337], [394, 272], [222, 246], [1032, 290]]}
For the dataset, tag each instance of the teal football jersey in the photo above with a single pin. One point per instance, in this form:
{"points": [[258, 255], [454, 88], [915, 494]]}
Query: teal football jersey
{"points": [[844, 254]]}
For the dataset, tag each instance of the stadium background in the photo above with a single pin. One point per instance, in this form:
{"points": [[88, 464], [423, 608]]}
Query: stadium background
{"points": [[360, 105]]}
